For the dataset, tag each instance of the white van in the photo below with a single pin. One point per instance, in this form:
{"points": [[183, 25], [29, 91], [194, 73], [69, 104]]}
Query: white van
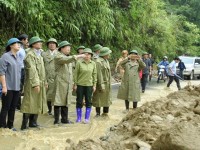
{"points": [[192, 65]]}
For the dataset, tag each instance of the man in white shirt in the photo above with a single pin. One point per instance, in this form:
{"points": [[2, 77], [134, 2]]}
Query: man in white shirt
{"points": [[172, 73]]}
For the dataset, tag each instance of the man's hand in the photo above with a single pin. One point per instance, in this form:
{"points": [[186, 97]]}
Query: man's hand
{"points": [[37, 89], [4, 90], [75, 87], [94, 89]]}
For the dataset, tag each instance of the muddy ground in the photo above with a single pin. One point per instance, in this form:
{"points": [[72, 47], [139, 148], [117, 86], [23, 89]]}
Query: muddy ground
{"points": [[158, 113]]}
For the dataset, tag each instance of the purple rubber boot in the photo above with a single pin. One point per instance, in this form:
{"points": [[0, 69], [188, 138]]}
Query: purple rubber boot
{"points": [[79, 114], [87, 115]]}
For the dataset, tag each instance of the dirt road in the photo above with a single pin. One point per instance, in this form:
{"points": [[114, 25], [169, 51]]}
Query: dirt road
{"points": [[54, 137]]}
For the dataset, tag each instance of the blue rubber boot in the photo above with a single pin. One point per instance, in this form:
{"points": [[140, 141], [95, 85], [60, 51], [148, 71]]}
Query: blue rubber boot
{"points": [[79, 114]]}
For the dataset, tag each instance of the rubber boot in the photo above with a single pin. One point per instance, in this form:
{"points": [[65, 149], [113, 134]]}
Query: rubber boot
{"points": [[49, 107], [134, 105], [56, 114], [25, 121], [33, 120], [98, 111], [79, 114], [127, 104], [64, 115], [87, 115]]}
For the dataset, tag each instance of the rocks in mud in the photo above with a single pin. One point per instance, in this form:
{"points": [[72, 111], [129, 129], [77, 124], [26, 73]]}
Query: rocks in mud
{"points": [[183, 136], [156, 119]]}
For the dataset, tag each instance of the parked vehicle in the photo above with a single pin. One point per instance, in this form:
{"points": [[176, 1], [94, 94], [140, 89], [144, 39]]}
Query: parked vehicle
{"points": [[161, 73], [192, 65]]}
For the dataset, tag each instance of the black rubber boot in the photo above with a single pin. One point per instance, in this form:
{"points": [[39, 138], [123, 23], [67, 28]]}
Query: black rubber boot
{"points": [[98, 111], [25, 121], [49, 107], [134, 104], [33, 120], [127, 104], [64, 115], [56, 114], [105, 109]]}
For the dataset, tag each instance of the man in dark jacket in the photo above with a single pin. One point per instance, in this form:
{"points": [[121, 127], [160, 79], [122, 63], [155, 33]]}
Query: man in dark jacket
{"points": [[181, 67]]}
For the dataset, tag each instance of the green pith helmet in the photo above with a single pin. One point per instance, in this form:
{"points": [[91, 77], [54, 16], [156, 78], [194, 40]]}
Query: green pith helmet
{"points": [[80, 47], [52, 40], [97, 47], [133, 52], [105, 51], [34, 39], [63, 43], [87, 50], [145, 53]]}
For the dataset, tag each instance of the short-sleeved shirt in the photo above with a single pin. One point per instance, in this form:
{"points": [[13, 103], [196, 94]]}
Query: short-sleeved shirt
{"points": [[172, 65], [10, 67], [148, 64]]}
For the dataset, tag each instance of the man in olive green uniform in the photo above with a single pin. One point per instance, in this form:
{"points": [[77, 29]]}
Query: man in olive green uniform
{"points": [[130, 85], [102, 96], [96, 51], [48, 57], [63, 81], [34, 101], [80, 49]]}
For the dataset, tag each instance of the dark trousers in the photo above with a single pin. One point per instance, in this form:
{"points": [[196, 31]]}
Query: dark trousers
{"points": [[9, 103], [64, 114], [144, 81], [105, 110], [21, 88], [127, 104], [181, 73], [49, 107], [171, 79], [84, 91]]}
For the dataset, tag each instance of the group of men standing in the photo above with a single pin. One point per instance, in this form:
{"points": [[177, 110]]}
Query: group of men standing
{"points": [[48, 80]]}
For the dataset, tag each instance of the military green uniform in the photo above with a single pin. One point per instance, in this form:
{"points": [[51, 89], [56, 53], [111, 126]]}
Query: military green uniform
{"points": [[130, 85], [63, 84], [63, 79], [49, 64], [34, 103], [102, 95]]}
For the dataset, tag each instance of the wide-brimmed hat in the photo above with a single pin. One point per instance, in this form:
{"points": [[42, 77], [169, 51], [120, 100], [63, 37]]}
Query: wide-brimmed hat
{"points": [[62, 44], [133, 52], [88, 50], [22, 36], [80, 47], [34, 39], [97, 47], [145, 53], [52, 40], [105, 51], [12, 41]]}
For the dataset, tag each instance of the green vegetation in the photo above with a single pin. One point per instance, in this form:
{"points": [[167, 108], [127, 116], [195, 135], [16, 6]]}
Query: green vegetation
{"points": [[161, 27]]}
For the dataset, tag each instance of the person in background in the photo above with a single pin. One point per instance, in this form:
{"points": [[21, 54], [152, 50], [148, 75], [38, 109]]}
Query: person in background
{"points": [[123, 57], [96, 51], [63, 81], [102, 95], [24, 40], [172, 73], [49, 64], [152, 62], [80, 49], [146, 71], [34, 101], [181, 67], [10, 74], [85, 78], [130, 85]]}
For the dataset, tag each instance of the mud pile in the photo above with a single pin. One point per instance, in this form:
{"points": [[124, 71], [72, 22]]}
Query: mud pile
{"points": [[162, 124]]}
